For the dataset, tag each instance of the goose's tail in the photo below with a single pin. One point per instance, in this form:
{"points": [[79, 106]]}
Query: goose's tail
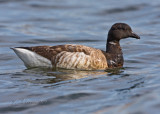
{"points": [[30, 58]]}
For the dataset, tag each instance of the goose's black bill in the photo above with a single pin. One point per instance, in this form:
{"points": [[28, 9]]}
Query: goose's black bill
{"points": [[134, 35]]}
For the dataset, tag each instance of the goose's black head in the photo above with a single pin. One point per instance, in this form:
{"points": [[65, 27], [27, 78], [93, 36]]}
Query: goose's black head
{"points": [[120, 31]]}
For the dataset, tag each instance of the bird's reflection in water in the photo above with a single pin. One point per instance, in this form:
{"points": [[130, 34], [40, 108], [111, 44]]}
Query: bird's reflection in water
{"points": [[46, 76], [49, 76]]}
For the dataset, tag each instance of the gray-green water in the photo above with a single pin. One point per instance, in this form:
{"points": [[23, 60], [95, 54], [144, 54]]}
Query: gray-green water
{"points": [[135, 89]]}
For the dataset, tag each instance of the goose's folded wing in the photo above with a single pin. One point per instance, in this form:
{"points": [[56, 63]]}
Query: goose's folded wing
{"points": [[50, 51]]}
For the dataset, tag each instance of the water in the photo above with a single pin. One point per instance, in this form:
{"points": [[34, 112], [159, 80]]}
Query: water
{"points": [[133, 89]]}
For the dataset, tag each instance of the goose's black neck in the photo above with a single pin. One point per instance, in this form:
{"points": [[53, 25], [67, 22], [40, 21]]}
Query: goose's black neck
{"points": [[114, 54], [113, 47]]}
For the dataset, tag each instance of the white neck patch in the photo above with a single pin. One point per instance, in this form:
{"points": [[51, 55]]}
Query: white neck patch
{"points": [[113, 43]]}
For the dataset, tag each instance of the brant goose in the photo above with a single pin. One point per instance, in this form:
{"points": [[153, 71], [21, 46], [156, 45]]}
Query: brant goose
{"points": [[72, 56]]}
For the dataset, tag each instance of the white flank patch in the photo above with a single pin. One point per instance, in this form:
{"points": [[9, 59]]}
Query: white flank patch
{"points": [[31, 59]]}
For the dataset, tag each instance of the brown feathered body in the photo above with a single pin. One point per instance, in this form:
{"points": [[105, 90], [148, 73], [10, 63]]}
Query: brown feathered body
{"points": [[72, 56]]}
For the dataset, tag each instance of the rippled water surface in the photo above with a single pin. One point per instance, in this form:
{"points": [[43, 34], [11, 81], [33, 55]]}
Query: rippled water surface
{"points": [[134, 89]]}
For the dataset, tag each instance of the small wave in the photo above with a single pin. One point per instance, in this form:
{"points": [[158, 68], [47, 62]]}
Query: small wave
{"points": [[122, 9]]}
